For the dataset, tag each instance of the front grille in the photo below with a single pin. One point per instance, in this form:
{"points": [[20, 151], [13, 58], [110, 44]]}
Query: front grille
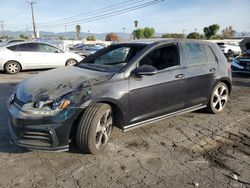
{"points": [[38, 136], [34, 137]]}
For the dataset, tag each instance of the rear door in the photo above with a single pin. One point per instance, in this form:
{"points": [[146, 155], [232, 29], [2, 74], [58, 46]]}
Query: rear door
{"points": [[200, 72]]}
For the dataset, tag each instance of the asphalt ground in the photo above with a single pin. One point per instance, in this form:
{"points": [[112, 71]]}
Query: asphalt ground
{"points": [[192, 150]]}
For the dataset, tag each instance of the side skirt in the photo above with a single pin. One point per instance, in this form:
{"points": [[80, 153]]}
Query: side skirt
{"points": [[142, 123]]}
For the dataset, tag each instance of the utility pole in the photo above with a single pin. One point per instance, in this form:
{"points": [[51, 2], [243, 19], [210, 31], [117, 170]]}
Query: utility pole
{"points": [[2, 28], [65, 31], [33, 18]]}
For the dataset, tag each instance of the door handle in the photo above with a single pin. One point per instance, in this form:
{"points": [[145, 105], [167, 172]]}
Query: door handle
{"points": [[212, 70], [179, 76]]}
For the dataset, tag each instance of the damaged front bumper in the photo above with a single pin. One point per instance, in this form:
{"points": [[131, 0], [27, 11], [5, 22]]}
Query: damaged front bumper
{"points": [[47, 133]]}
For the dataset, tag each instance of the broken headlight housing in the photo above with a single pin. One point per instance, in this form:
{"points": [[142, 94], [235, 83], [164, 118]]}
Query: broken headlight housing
{"points": [[53, 105]]}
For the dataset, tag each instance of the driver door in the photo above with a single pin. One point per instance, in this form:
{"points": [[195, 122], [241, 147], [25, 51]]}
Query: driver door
{"points": [[158, 94]]}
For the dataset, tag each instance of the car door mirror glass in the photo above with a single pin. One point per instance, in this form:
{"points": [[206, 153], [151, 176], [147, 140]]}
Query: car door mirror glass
{"points": [[145, 70]]}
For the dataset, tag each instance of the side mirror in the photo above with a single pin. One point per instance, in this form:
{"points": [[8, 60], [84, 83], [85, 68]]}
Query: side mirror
{"points": [[58, 51], [145, 70]]}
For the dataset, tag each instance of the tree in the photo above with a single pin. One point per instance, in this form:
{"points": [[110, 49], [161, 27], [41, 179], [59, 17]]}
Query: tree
{"points": [[210, 31], [144, 33], [194, 35], [139, 33], [61, 37], [4, 37], [173, 35], [148, 32], [91, 38], [23, 36], [78, 32], [228, 33], [112, 37]]}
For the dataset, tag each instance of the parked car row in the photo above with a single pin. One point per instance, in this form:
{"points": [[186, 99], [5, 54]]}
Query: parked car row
{"points": [[232, 48], [85, 49], [241, 64], [34, 55], [4, 43]]}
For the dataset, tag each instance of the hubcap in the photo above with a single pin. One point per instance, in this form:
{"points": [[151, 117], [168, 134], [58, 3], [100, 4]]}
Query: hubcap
{"points": [[103, 129], [220, 98], [12, 67], [71, 63]]}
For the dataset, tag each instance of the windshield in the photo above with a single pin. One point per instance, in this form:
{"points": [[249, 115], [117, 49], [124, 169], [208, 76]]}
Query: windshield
{"points": [[112, 58]]}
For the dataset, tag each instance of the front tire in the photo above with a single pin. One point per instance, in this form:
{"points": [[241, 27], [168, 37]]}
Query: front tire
{"points": [[94, 128], [12, 67], [71, 62], [218, 99]]}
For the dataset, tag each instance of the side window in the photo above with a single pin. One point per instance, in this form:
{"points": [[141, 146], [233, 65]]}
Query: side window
{"points": [[29, 47], [162, 58], [13, 48], [47, 48], [211, 58], [194, 53]]}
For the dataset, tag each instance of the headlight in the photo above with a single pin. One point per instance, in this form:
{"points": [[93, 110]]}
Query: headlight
{"points": [[61, 104], [53, 105]]}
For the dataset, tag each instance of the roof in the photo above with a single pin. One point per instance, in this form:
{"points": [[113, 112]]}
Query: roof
{"points": [[27, 42], [163, 40]]}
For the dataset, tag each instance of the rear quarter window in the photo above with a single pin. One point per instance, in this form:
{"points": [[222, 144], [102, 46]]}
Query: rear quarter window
{"points": [[211, 57], [13, 48], [194, 53]]}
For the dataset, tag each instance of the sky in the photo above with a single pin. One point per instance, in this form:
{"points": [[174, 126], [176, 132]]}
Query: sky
{"points": [[166, 17]]}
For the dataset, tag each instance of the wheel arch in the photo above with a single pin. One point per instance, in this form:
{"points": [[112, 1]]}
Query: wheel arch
{"points": [[227, 82], [119, 116], [21, 67], [69, 60]]}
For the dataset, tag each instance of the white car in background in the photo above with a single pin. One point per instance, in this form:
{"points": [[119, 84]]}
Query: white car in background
{"points": [[34, 55], [230, 48]]}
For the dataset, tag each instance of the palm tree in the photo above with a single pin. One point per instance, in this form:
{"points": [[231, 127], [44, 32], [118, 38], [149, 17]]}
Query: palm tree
{"points": [[78, 31]]}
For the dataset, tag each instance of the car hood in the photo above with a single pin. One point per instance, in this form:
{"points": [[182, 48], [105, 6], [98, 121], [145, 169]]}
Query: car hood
{"points": [[51, 85]]}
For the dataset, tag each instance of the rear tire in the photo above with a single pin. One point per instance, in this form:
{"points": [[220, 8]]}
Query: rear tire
{"points": [[94, 128], [12, 67], [71, 62], [218, 99]]}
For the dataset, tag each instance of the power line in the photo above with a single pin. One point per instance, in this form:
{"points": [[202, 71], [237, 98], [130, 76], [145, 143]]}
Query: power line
{"points": [[108, 14], [114, 6]]}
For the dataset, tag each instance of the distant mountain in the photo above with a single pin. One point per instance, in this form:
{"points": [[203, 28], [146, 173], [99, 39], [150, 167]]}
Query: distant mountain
{"points": [[69, 35]]}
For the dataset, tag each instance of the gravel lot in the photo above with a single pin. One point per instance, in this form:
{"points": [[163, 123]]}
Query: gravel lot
{"points": [[192, 150]]}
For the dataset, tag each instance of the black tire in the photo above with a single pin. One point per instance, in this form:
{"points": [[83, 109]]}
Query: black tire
{"points": [[218, 98], [89, 137], [71, 62], [12, 67]]}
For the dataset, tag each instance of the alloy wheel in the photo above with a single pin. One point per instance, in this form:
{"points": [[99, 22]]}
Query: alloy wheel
{"points": [[103, 129], [220, 98]]}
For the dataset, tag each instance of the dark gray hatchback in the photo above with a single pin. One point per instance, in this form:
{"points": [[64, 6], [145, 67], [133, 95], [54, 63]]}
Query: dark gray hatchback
{"points": [[125, 85]]}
